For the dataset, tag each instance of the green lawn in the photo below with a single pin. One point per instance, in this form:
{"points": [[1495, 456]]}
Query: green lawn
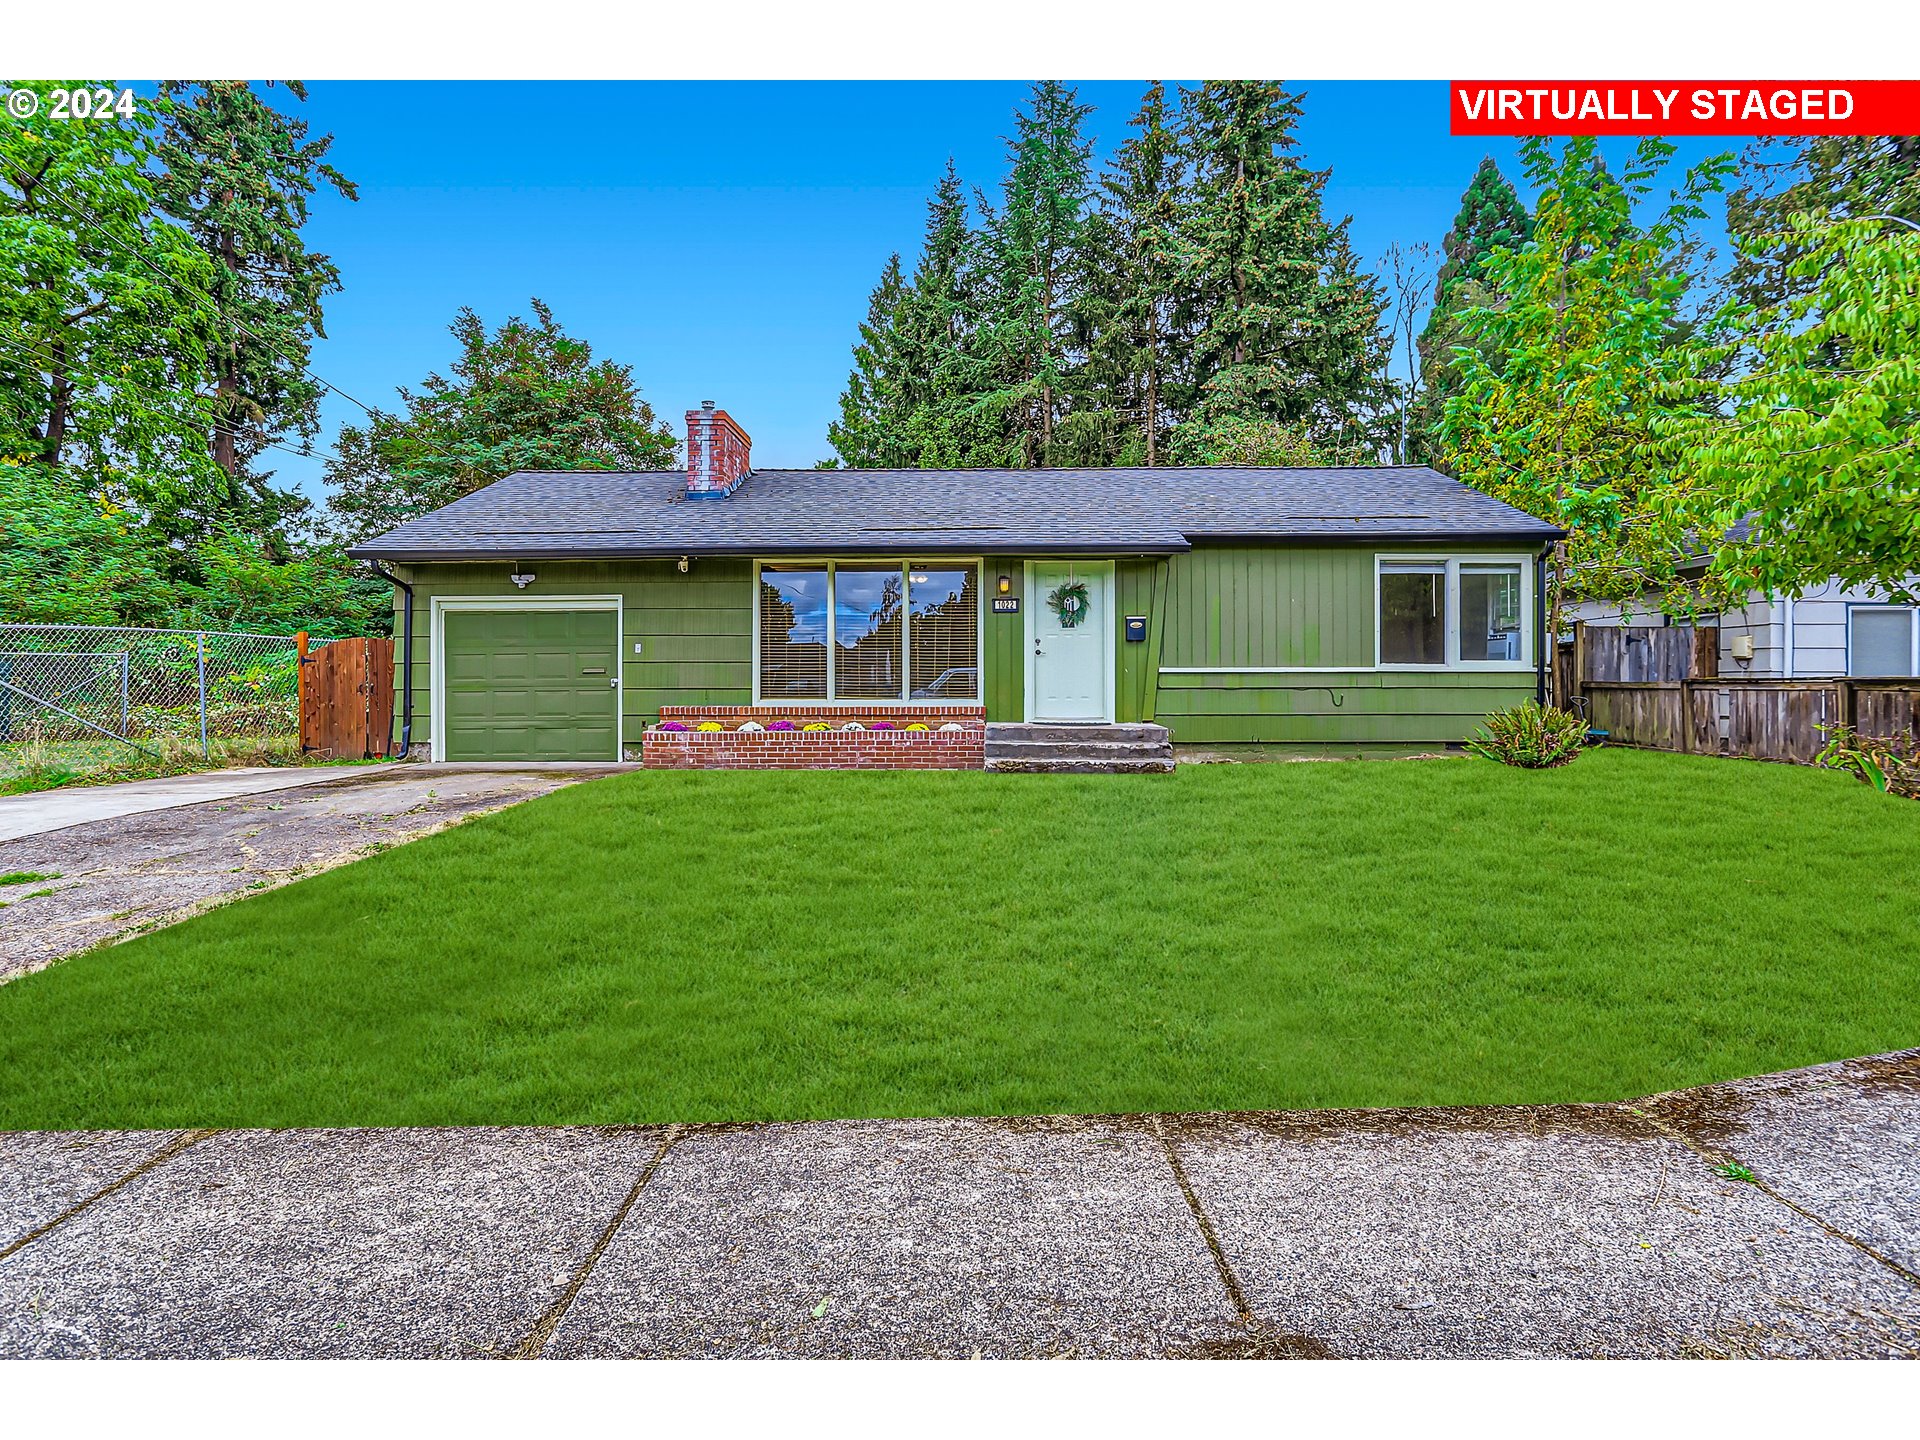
{"points": [[756, 946]]}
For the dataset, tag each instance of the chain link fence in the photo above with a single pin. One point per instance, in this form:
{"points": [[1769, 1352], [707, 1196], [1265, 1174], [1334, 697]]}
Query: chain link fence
{"points": [[84, 697]]}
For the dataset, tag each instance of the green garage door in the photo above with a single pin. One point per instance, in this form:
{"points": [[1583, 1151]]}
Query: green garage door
{"points": [[531, 685]]}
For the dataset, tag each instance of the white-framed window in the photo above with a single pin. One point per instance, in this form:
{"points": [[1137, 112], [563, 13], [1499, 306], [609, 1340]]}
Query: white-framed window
{"points": [[853, 631], [1472, 612], [1883, 640]]}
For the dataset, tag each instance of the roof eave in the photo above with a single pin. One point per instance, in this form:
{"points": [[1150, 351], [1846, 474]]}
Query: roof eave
{"points": [[450, 555], [1397, 537]]}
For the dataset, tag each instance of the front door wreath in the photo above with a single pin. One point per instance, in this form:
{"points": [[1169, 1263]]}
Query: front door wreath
{"points": [[1069, 603]]}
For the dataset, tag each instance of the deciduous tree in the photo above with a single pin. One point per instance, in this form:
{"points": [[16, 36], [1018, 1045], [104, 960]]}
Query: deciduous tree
{"points": [[526, 396], [1572, 373], [1813, 446]]}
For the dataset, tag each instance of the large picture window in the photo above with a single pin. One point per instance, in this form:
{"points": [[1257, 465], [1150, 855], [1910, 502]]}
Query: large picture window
{"points": [[1446, 611], [869, 630], [793, 632]]}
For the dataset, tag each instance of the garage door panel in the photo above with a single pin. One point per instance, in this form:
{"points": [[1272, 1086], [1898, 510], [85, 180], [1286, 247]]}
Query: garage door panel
{"points": [[530, 684]]}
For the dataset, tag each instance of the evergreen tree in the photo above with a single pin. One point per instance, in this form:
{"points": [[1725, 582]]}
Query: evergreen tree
{"points": [[1491, 217], [870, 406], [922, 401], [1034, 250], [237, 174], [1286, 325], [1127, 311]]}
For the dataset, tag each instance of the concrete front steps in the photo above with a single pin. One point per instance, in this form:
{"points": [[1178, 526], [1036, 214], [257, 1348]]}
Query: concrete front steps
{"points": [[1080, 749]]}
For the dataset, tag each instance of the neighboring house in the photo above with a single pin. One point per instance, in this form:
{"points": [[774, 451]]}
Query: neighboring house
{"points": [[1832, 630], [553, 614]]}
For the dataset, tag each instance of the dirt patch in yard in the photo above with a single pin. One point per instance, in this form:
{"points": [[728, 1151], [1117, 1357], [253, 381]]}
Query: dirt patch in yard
{"points": [[120, 877]]}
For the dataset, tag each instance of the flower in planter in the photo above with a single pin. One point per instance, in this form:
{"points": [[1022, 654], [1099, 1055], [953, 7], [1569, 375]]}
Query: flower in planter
{"points": [[916, 725], [853, 725], [711, 725], [750, 727], [816, 725], [778, 725], [883, 725], [674, 725], [951, 728]]}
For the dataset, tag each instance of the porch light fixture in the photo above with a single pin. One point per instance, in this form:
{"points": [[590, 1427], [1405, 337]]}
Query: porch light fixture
{"points": [[1006, 584], [683, 564], [520, 579]]}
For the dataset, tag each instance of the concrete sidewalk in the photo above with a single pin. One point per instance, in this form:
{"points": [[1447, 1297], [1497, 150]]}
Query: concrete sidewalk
{"points": [[1582, 1230], [47, 810]]}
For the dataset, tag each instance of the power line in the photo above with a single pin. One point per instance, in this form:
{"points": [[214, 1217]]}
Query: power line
{"points": [[31, 352], [80, 212]]}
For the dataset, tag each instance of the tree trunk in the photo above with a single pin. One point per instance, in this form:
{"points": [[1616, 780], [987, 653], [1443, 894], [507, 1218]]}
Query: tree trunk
{"points": [[1239, 284], [229, 382], [58, 400], [223, 455], [1046, 356], [1153, 384]]}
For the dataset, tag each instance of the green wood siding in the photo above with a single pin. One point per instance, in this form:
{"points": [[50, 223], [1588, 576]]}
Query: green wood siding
{"points": [[1359, 707], [1139, 588], [1305, 605], [1004, 665], [1270, 605]]}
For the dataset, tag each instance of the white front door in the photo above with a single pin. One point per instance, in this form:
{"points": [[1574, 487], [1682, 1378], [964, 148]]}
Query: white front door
{"points": [[1068, 675]]}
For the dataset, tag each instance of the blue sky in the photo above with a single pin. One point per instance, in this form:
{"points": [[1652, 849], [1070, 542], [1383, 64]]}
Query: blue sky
{"points": [[721, 238]]}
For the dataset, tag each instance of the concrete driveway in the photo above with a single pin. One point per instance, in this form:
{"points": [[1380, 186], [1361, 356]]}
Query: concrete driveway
{"points": [[143, 865], [47, 810], [1611, 1230]]}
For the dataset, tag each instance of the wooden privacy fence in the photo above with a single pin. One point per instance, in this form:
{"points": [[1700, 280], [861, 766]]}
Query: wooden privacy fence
{"points": [[346, 698], [1656, 687]]}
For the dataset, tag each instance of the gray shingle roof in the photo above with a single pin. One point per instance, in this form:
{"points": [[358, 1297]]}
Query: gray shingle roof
{"points": [[537, 515]]}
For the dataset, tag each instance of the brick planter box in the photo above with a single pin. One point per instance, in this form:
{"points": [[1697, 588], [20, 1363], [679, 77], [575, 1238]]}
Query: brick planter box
{"points": [[800, 749]]}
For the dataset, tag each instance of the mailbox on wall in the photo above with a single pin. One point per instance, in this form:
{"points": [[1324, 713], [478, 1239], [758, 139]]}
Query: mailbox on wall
{"points": [[1136, 629]]}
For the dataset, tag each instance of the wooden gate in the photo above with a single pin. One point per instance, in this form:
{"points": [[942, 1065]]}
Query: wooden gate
{"points": [[346, 698]]}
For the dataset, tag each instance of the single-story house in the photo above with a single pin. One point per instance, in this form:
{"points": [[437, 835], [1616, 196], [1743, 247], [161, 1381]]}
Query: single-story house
{"points": [[552, 615]]}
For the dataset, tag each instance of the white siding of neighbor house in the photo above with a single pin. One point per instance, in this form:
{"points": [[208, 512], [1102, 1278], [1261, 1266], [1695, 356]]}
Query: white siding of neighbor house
{"points": [[1815, 648]]}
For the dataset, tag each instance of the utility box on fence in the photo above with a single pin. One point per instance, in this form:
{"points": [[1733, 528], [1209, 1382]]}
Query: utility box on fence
{"points": [[346, 699]]}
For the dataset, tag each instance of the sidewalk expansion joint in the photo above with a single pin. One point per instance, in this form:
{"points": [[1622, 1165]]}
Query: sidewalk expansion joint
{"points": [[1726, 1157], [1207, 1232], [153, 1162], [537, 1338]]}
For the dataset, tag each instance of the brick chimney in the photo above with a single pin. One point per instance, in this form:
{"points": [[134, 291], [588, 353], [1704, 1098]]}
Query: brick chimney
{"points": [[718, 453]]}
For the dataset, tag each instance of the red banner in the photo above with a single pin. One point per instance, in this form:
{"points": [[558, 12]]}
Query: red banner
{"points": [[1685, 107]]}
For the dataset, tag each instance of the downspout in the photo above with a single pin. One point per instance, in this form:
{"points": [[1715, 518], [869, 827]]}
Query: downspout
{"points": [[1544, 645], [1787, 638], [406, 661]]}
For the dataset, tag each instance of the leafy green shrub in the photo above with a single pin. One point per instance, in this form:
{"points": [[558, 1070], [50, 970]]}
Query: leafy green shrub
{"points": [[1889, 763], [1530, 736]]}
